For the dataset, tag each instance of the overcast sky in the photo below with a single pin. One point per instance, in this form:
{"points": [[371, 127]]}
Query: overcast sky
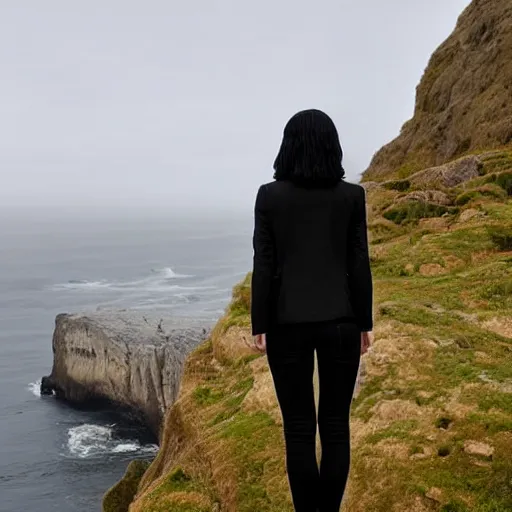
{"points": [[165, 104]]}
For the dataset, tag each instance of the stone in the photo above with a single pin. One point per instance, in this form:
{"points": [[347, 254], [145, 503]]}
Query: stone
{"points": [[426, 196], [409, 268], [435, 494], [479, 449], [432, 269], [47, 386], [129, 358], [469, 214], [448, 175]]}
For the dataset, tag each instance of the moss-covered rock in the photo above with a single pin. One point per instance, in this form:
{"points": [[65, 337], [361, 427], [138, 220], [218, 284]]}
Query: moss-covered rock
{"points": [[119, 497]]}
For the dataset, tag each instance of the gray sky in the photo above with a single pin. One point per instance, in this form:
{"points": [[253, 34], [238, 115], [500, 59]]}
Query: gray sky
{"points": [[158, 104]]}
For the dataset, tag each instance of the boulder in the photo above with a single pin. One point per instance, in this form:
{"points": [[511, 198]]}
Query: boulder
{"points": [[448, 175], [426, 196], [479, 449]]}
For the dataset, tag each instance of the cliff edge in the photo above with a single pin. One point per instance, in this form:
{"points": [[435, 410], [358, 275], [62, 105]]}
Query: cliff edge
{"points": [[128, 358]]}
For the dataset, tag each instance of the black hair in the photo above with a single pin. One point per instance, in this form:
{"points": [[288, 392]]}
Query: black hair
{"points": [[310, 153]]}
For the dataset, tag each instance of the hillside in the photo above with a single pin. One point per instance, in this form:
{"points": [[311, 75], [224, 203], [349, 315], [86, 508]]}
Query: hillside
{"points": [[464, 100]]}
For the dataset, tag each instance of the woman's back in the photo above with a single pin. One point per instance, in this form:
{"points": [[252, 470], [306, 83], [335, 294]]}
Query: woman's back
{"points": [[318, 237]]}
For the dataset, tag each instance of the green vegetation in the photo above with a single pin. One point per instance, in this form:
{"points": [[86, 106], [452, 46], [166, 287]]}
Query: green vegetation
{"points": [[408, 169], [207, 396], [492, 191], [501, 237], [240, 307], [503, 180], [119, 497], [399, 185], [415, 210]]}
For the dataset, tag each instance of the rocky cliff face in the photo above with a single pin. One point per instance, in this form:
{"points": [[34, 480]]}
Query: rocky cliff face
{"points": [[132, 359], [464, 100]]}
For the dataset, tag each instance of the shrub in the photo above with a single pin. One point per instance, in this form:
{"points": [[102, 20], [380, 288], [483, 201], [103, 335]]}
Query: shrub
{"points": [[415, 210], [503, 180], [498, 291], [489, 190], [400, 185], [501, 237]]}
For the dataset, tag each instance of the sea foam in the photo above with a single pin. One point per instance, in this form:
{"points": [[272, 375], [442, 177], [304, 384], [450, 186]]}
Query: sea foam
{"points": [[89, 440]]}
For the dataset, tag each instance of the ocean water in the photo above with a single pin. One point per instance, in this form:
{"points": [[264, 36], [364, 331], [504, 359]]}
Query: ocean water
{"points": [[52, 456]]}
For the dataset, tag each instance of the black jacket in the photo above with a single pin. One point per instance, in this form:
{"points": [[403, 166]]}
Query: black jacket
{"points": [[311, 260]]}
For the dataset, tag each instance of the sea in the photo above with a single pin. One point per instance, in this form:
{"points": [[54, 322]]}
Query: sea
{"points": [[54, 457]]}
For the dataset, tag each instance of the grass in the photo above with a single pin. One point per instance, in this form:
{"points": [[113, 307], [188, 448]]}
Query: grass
{"points": [[501, 237], [240, 306], [492, 191], [399, 185], [415, 210], [503, 180], [398, 430]]}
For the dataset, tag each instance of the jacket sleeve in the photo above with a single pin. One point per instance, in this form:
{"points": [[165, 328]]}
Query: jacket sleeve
{"points": [[359, 271], [263, 265]]}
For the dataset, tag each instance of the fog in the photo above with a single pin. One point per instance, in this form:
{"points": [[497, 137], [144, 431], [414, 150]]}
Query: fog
{"points": [[156, 106]]}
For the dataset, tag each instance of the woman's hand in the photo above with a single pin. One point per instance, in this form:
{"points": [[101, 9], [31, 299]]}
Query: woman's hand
{"points": [[366, 342], [260, 343]]}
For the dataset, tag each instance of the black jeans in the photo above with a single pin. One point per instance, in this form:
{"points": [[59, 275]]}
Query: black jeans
{"points": [[290, 351]]}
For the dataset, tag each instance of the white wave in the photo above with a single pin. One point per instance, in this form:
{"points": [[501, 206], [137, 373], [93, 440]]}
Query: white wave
{"points": [[82, 285], [126, 448], [91, 440], [176, 287], [168, 273], [86, 440], [134, 447], [35, 388], [158, 281]]}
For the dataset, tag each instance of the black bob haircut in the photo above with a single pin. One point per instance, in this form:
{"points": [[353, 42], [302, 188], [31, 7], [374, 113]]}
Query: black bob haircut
{"points": [[311, 153]]}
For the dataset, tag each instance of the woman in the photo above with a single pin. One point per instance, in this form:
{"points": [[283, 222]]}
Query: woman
{"points": [[312, 290]]}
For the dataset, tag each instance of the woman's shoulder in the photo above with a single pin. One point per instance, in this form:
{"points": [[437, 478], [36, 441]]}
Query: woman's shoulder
{"points": [[353, 187]]}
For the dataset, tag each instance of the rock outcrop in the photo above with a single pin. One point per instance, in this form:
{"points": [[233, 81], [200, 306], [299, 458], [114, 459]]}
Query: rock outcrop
{"points": [[449, 175], [426, 196], [463, 101], [128, 358]]}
